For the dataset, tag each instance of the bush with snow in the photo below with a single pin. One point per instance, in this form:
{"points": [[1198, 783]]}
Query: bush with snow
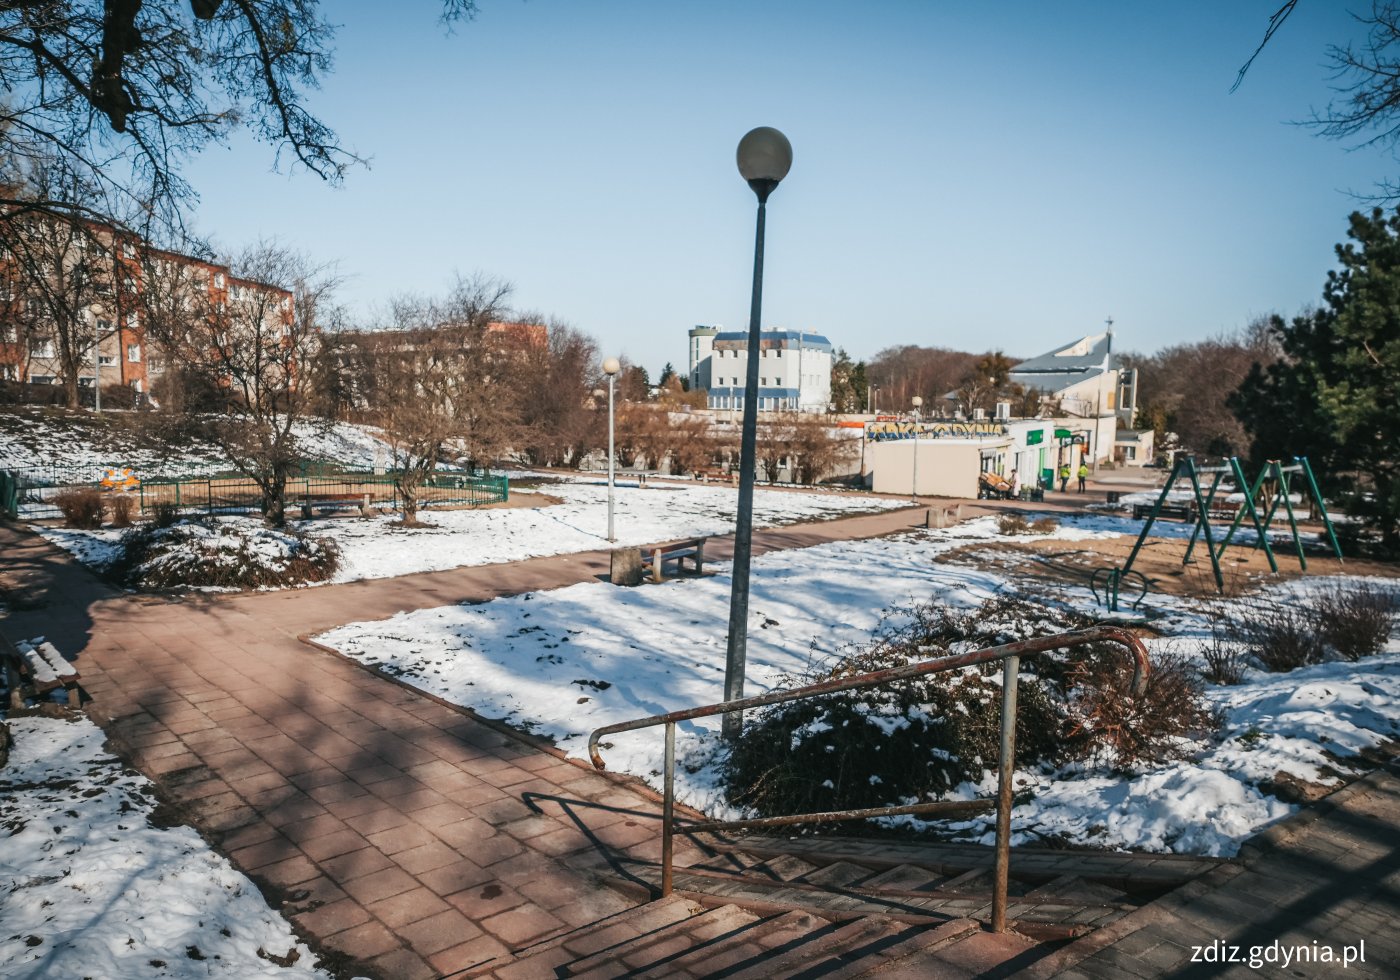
{"points": [[920, 738], [222, 553]]}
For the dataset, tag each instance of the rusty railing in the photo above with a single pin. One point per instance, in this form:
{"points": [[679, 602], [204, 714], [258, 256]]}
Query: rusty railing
{"points": [[1010, 654]]}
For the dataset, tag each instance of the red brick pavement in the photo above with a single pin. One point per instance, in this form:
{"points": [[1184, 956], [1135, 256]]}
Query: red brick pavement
{"points": [[406, 835]]}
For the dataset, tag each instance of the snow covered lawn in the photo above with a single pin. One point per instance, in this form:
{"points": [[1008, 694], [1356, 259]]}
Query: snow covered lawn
{"points": [[374, 548], [88, 888], [562, 663]]}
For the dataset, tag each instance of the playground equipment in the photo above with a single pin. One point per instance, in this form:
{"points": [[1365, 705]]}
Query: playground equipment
{"points": [[1113, 581], [1203, 506]]}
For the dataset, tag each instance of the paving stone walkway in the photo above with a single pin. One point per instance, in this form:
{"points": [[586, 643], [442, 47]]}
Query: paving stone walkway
{"points": [[398, 831], [420, 842]]}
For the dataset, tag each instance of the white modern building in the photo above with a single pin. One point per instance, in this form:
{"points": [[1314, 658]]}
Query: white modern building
{"points": [[794, 370], [1084, 377]]}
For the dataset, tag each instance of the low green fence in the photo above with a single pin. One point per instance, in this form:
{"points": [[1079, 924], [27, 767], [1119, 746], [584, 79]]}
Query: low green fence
{"points": [[31, 492]]}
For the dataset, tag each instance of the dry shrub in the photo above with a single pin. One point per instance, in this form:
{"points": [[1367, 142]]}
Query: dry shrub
{"points": [[1109, 723], [1282, 636], [122, 505], [1223, 655], [81, 506], [923, 736], [165, 513], [1357, 619], [1012, 523], [1044, 525]]}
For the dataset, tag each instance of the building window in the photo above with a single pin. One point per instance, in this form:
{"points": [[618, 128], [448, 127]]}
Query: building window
{"points": [[219, 279], [133, 353], [43, 379], [133, 321], [104, 326], [106, 360], [41, 348], [7, 333]]}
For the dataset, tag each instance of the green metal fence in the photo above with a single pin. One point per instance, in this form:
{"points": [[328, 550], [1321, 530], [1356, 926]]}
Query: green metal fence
{"points": [[30, 492]]}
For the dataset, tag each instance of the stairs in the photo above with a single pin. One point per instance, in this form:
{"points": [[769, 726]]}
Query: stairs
{"points": [[771, 908], [677, 938]]}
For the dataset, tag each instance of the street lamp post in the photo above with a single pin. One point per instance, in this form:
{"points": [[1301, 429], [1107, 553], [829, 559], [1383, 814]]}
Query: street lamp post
{"points": [[97, 314], [610, 368], [918, 416], [764, 158]]}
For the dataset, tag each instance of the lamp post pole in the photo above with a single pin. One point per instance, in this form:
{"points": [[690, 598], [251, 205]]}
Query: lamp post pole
{"points": [[97, 313], [610, 368], [764, 158], [918, 416]]}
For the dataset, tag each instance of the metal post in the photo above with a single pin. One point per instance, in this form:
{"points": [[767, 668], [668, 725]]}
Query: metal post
{"points": [[1006, 769], [612, 458], [668, 809], [914, 490], [97, 367], [737, 647]]}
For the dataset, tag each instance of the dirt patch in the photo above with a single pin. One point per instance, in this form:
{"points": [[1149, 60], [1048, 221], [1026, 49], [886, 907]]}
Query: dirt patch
{"points": [[532, 499], [1244, 569]]}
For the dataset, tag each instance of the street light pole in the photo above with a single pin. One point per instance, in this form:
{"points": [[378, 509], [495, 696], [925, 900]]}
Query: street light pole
{"points": [[764, 158], [918, 416], [610, 368]]}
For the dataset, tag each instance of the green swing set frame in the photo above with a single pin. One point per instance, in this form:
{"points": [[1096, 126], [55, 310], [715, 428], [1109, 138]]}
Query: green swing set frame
{"points": [[1232, 471]]}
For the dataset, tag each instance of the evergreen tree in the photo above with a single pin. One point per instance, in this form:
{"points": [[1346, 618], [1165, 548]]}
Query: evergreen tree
{"points": [[667, 373], [1334, 394]]}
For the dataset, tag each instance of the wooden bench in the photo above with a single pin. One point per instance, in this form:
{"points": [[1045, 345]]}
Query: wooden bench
{"points": [[42, 669], [656, 557], [329, 500], [717, 473], [1179, 512]]}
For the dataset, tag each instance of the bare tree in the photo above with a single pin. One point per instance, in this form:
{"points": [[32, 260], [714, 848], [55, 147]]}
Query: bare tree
{"points": [[423, 377], [121, 92], [253, 339], [1366, 109], [554, 382]]}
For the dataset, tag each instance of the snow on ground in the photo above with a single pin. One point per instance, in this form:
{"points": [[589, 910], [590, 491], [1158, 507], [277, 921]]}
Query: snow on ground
{"points": [[562, 663], [34, 437], [89, 888], [374, 548]]}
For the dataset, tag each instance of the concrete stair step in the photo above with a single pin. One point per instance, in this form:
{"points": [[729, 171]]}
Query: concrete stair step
{"points": [[908, 906], [842, 874], [699, 931], [1073, 886], [785, 867], [911, 951], [545, 958], [904, 877], [819, 953], [1037, 865], [754, 942]]}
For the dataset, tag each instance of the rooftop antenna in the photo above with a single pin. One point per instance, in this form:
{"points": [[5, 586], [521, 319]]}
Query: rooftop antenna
{"points": [[1109, 321]]}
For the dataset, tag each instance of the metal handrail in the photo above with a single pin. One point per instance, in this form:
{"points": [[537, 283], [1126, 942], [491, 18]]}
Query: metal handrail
{"points": [[1009, 653]]}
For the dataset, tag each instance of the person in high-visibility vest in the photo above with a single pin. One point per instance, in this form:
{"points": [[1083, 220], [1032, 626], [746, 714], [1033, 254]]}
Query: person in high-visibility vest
{"points": [[1064, 478], [1083, 476]]}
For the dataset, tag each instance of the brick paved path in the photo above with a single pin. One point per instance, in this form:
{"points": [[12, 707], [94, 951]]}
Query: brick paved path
{"points": [[395, 829]]}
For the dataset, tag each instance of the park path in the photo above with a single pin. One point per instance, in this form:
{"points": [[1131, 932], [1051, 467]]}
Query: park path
{"points": [[397, 830], [418, 841]]}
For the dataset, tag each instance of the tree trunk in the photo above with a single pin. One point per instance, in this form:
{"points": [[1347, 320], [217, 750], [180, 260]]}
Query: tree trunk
{"points": [[274, 500]]}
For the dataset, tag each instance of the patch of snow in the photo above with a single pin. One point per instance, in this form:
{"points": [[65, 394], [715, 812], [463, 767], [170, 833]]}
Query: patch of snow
{"points": [[93, 890]]}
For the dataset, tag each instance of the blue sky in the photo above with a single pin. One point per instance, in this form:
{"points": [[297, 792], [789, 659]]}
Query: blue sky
{"points": [[970, 175]]}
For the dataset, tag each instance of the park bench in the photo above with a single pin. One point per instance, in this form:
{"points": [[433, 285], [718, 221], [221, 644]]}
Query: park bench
{"points": [[327, 501], [1179, 512], [655, 558], [717, 473], [41, 668]]}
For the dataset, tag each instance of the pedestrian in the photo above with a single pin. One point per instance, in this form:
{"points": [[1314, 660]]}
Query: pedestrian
{"points": [[1064, 478], [1083, 476], [1015, 486]]}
